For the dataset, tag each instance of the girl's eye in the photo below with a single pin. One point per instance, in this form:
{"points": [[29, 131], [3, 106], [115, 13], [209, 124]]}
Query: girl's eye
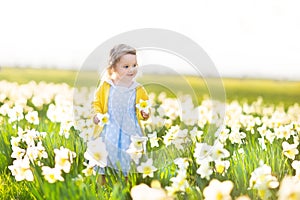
{"points": [[134, 65], [126, 66]]}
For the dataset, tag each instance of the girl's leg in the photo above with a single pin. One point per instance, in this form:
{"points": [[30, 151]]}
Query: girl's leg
{"points": [[101, 179]]}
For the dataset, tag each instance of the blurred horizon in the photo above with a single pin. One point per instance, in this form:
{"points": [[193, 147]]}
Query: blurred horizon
{"points": [[233, 76]]}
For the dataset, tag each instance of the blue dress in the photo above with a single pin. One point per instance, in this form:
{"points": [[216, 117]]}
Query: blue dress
{"points": [[122, 125]]}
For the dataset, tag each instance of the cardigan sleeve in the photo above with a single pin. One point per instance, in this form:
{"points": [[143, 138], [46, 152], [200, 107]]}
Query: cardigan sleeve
{"points": [[97, 104], [100, 102]]}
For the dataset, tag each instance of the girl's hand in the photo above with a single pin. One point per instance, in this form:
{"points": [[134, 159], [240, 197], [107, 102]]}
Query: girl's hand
{"points": [[144, 115], [96, 120]]}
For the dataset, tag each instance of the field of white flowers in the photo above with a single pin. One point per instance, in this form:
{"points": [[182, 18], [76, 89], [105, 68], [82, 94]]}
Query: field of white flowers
{"points": [[48, 150]]}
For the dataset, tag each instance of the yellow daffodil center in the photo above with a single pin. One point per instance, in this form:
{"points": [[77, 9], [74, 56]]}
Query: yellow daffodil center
{"points": [[220, 169], [292, 196], [97, 156], [52, 177], [219, 196], [143, 104], [62, 161], [147, 170], [105, 120]]}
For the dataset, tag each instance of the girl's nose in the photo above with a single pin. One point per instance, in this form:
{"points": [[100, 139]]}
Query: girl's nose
{"points": [[131, 69]]}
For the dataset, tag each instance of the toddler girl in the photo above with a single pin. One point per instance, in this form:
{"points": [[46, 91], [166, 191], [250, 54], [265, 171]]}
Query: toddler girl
{"points": [[118, 96]]}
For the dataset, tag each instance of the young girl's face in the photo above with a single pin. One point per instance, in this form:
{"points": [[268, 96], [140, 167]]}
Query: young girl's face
{"points": [[126, 69]]}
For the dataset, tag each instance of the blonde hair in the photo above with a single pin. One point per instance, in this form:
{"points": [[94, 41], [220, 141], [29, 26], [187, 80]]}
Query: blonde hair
{"points": [[116, 53]]}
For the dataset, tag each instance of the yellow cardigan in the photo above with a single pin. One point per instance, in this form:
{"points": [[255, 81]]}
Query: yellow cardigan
{"points": [[100, 103]]}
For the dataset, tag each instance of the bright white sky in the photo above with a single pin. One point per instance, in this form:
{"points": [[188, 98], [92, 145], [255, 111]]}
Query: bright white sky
{"points": [[253, 38]]}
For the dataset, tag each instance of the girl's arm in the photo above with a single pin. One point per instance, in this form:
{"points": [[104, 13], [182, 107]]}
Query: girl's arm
{"points": [[96, 104], [100, 103]]}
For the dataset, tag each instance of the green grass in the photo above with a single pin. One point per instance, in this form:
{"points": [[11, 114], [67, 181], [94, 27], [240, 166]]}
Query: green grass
{"points": [[241, 165]]}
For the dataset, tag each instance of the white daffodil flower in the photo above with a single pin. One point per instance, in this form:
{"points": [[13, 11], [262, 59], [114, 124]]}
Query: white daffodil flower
{"points": [[52, 174], [21, 170], [290, 150], [144, 105], [96, 153], [218, 190], [147, 168], [103, 118]]}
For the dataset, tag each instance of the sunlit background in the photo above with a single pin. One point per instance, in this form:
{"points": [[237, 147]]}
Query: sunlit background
{"points": [[235, 137], [244, 38]]}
